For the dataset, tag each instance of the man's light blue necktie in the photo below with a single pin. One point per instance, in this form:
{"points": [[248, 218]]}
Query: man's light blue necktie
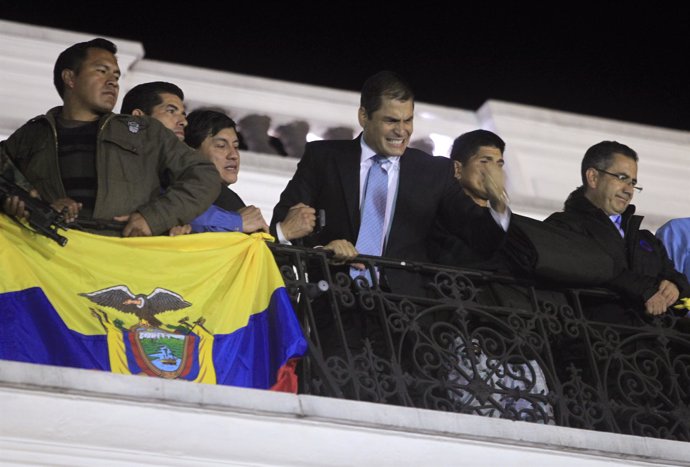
{"points": [[370, 237], [617, 222]]}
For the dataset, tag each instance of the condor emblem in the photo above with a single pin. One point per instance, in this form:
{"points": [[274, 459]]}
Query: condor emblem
{"points": [[133, 127], [158, 352]]}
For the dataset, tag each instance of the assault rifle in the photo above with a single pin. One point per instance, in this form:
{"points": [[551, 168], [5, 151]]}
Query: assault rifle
{"points": [[43, 219], [97, 224]]}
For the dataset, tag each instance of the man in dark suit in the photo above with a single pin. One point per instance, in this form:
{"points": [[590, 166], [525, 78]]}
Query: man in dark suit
{"points": [[334, 176], [600, 209]]}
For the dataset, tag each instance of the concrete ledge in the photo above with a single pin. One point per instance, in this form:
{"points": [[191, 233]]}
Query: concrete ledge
{"points": [[81, 415]]}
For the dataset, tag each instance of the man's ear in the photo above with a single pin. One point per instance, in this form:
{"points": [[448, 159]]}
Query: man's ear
{"points": [[591, 176], [457, 165], [362, 117], [68, 77], [138, 113]]}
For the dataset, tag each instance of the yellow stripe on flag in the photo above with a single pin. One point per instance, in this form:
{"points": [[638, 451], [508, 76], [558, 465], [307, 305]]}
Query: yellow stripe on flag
{"points": [[216, 272]]}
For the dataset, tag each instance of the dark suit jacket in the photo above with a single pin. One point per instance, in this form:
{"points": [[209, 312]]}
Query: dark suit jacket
{"points": [[229, 200], [327, 177], [640, 258]]}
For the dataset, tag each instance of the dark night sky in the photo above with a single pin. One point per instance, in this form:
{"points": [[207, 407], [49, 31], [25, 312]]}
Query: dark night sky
{"points": [[624, 64]]}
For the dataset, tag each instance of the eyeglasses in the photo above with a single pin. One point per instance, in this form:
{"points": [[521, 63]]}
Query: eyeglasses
{"points": [[623, 178]]}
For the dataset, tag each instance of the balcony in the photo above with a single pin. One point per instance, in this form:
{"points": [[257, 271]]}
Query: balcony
{"points": [[477, 343], [473, 368]]}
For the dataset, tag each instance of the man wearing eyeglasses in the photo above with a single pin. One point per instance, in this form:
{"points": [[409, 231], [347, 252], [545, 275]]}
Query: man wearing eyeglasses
{"points": [[601, 209]]}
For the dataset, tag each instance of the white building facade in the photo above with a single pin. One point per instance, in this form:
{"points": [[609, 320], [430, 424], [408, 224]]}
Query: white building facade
{"points": [[59, 416]]}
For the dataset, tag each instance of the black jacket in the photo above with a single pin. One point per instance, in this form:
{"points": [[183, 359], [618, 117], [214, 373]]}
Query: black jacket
{"points": [[327, 178], [229, 200], [640, 259], [450, 250]]}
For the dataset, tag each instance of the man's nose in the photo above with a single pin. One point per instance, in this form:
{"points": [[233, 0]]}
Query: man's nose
{"points": [[404, 128], [182, 121]]}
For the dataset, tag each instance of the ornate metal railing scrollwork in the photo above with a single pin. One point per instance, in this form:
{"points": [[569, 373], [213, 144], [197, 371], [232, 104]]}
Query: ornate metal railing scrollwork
{"points": [[477, 343]]}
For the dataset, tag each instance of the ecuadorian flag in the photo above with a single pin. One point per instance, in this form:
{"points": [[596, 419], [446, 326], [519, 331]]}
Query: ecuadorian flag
{"points": [[210, 308]]}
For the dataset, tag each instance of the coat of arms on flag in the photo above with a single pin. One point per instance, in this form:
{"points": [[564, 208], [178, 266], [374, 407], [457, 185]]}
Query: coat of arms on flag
{"points": [[209, 308]]}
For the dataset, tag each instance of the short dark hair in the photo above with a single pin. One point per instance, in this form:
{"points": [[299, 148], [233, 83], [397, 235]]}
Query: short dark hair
{"points": [[467, 144], [73, 57], [600, 156], [383, 84], [146, 96], [203, 123]]}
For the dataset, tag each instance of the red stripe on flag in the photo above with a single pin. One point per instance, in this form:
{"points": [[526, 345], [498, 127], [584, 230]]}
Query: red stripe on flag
{"points": [[286, 379]]}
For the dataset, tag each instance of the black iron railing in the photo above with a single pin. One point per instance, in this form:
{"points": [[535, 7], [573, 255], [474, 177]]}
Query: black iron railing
{"points": [[473, 342]]}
